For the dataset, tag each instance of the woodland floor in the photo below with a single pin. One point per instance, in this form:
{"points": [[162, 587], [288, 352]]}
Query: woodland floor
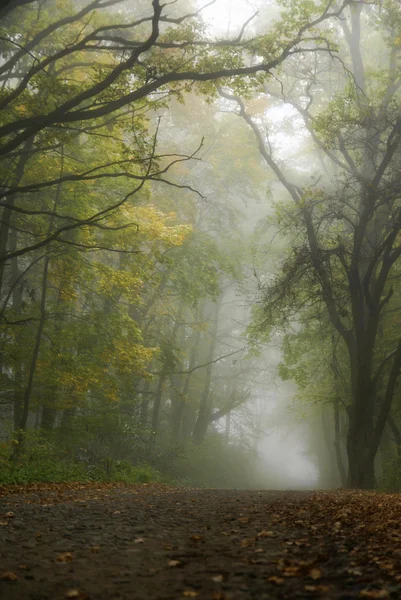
{"points": [[155, 542]]}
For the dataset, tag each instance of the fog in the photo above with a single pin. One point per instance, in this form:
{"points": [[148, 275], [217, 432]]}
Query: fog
{"points": [[199, 245]]}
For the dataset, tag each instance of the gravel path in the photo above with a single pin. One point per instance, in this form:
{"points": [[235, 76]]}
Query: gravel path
{"points": [[157, 542]]}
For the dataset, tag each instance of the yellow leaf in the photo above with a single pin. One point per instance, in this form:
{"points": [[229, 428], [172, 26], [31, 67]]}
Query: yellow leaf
{"points": [[376, 594], [65, 557], [8, 576], [174, 563]]}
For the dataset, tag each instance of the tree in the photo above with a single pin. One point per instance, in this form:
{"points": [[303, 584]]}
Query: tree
{"points": [[345, 222]]}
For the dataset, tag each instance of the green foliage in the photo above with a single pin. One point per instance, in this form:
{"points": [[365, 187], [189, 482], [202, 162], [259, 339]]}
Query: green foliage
{"points": [[34, 456], [121, 240]]}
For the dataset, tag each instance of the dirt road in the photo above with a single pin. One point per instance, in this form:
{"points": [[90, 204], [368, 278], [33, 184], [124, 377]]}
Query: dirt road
{"points": [[156, 543]]}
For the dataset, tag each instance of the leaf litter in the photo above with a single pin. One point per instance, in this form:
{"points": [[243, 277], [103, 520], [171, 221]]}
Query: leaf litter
{"points": [[156, 541]]}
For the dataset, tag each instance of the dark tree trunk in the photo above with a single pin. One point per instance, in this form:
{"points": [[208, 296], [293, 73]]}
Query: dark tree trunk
{"points": [[181, 406], [7, 213], [397, 438], [157, 403], [203, 419], [17, 304], [36, 349], [42, 318], [49, 414], [68, 414], [338, 444]]}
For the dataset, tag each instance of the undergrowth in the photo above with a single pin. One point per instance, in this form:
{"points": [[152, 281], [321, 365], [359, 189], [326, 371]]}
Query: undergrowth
{"points": [[32, 457]]}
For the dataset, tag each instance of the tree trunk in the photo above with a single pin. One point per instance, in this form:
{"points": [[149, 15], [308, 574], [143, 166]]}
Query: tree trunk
{"points": [[397, 439], [48, 420], [337, 444], [7, 214], [17, 304], [157, 403], [178, 433], [203, 419], [35, 354], [144, 412], [39, 333]]}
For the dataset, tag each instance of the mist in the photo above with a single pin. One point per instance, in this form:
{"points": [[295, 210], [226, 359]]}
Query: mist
{"points": [[200, 243]]}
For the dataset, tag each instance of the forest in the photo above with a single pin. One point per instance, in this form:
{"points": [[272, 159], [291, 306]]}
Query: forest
{"points": [[200, 243]]}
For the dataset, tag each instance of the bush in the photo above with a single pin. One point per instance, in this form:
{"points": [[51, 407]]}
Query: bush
{"points": [[33, 456]]}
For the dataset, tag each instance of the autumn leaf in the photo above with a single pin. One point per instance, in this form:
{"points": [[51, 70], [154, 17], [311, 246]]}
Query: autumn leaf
{"points": [[190, 594], [317, 588], [65, 557], [174, 563], [275, 579], [217, 578], [8, 576], [76, 594], [315, 573], [10, 515], [375, 594], [292, 570], [263, 534]]}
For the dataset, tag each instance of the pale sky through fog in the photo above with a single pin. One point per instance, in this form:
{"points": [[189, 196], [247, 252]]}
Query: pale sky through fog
{"points": [[227, 16]]}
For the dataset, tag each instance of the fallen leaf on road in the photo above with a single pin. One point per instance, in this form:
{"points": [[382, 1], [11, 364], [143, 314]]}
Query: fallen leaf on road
{"points": [[275, 579], [78, 594], [292, 571], [264, 533], [218, 578], [316, 588], [174, 563], [375, 594], [190, 594], [65, 557], [315, 573], [139, 541], [8, 576]]}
